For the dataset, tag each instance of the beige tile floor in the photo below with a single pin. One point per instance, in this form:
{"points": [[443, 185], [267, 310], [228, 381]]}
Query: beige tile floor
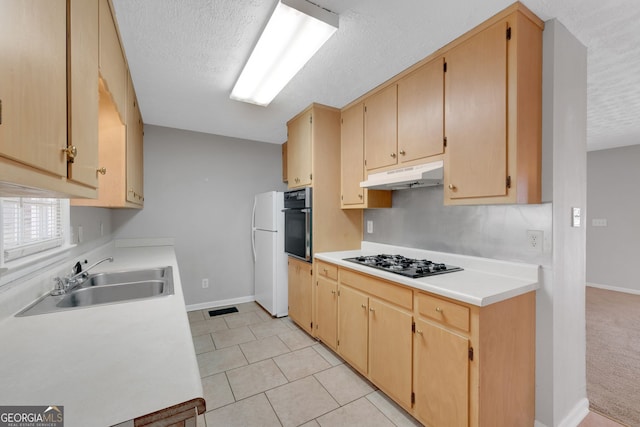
{"points": [[261, 371]]}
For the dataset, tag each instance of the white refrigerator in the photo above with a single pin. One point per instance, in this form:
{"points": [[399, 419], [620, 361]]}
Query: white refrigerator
{"points": [[269, 258]]}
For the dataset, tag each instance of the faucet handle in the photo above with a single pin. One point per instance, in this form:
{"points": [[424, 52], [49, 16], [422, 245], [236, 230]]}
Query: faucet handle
{"points": [[59, 288]]}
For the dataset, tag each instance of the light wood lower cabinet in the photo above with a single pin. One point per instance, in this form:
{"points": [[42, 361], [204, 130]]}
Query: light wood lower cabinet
{"points": [[440, 376], [390, 358], [448, 363], [300, 293], [353, 328], [326, 304]]}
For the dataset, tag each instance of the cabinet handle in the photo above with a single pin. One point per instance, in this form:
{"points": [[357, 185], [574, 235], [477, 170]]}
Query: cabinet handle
{"points": [[363, 306], [452, 187], [371, 310], [71, 153], [439, 310], [393, 155], [102, 171], [402, 152]]}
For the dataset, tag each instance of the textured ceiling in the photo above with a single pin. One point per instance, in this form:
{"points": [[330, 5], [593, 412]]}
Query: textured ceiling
{"points": [[185, 56]]}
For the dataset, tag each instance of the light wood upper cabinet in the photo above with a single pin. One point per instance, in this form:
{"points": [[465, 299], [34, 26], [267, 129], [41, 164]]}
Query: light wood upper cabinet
{"points": [[299, 142], [381, 128], [300, 293], [83, 90], [352, 196], [284, 162], [493, 107], [421, 112], [135, 156], [441, 376], [390, 358], [353, 327], [33, 81], [113, 67], [34, 101]]}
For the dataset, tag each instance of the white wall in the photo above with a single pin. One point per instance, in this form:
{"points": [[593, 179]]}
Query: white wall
{"points": [[199, 190], [561, 340], [613, 177]]}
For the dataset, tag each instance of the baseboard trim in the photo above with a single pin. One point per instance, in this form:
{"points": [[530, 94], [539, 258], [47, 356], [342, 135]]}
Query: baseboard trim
{"points": [[220, 303], [614, 288], [577, 414]]}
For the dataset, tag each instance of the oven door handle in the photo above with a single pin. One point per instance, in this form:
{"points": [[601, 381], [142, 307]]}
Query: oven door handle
{"points": [[301, 210], [307, 226]]}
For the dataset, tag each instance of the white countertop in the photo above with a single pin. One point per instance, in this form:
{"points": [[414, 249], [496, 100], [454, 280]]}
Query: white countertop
{"points": [[482, 282], [106, 364]]}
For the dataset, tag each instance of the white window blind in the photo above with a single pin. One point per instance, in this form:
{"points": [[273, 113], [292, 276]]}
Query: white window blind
{"points": [[30, 226]]}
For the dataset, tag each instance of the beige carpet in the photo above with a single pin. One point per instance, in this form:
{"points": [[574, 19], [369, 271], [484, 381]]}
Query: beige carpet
{"points": [[613, 354]]}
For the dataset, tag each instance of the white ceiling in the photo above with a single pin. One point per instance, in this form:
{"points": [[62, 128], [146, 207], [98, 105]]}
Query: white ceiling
{"points": [[185, 56]]}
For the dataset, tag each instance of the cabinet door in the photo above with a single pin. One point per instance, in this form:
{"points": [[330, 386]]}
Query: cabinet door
{"points": [[299, 151], [83, 93], [476, 114], [353, 326], [111, 58], [300, 293], [327, 311], [135, 156], [390, 355], [441, 376], [380, 128], [352, 155], [33, 83], [421, 112]]}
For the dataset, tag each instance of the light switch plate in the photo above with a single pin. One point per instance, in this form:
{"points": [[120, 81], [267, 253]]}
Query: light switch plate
{"points": [[575, 217], [599, 222], [369, 227]]}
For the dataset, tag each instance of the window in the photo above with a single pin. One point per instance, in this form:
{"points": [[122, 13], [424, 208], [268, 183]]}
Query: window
{"points": [[32, 226]]}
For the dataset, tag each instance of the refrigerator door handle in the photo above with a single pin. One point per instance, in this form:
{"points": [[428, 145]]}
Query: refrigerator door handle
{"points": [[253, 228]]}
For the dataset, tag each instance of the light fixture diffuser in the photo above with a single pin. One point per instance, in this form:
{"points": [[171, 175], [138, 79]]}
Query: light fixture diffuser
{"points": [[294, 33]]}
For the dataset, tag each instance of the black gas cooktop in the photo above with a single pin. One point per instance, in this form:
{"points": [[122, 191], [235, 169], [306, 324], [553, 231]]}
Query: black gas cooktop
{"points": [[405, 266]]}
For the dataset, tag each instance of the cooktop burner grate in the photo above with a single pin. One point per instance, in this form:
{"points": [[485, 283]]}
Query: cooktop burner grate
{"points": [[408, 267]]}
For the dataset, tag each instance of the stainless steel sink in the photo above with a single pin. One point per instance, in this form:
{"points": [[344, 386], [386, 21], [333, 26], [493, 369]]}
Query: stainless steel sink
{"points": [[108, 288]]}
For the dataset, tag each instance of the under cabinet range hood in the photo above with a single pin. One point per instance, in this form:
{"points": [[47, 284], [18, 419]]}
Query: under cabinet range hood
{"points": [[424, 175]]}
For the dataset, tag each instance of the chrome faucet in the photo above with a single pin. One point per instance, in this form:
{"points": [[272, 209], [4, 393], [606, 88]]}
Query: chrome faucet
{"points": [[67, 283]]}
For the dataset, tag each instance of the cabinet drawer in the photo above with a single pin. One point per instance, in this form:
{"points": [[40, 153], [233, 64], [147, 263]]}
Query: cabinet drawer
{"points": [[329, 271], [384, 290], [446, 312]]}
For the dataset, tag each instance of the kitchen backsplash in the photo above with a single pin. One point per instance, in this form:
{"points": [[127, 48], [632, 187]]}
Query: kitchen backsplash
{"points": [[418, 219]]}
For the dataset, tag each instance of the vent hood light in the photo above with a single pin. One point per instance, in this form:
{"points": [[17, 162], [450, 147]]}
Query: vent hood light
{"points": [[428, 174], [294, 33]]}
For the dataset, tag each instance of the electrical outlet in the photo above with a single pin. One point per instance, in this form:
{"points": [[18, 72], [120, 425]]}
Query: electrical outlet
{"points": [[205, 283], [535, 240], [80, 234], [369, 227]]}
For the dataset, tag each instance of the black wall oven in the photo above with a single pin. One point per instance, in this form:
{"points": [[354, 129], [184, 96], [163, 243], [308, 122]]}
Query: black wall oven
{"points": [[297, 223]]}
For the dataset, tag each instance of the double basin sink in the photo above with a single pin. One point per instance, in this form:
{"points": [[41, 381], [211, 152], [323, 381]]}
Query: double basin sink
{"points": [[108, 288]]}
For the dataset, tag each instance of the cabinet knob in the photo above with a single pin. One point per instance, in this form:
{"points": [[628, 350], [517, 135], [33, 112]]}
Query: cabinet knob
{"points": [[363, 305], [102, 171], [71, 153], [393, 155], [439, 310], [418, 331], [325, 270], [360, 196], [402, 152], [371, 310], [452, 187], [333, 292]]}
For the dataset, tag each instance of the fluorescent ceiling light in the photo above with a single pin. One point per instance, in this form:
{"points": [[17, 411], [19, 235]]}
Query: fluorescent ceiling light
{"points": [[294, 33]]}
